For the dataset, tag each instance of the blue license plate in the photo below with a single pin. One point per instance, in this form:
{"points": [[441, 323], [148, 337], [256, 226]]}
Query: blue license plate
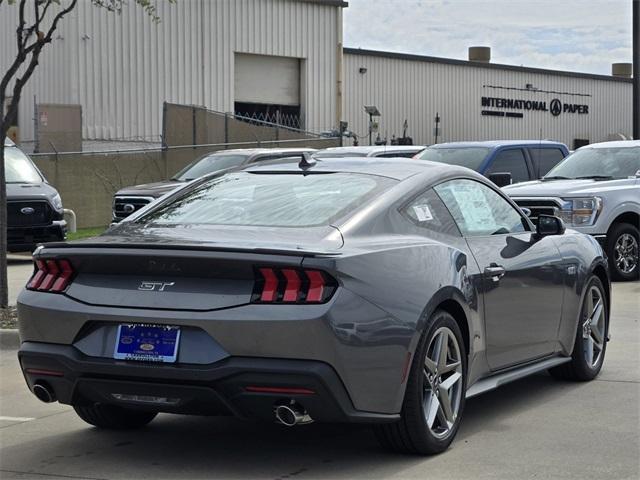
{"points": [[147, 343]]}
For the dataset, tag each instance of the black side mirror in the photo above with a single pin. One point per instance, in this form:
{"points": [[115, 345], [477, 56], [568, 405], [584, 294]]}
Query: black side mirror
{"points": [[550, 225], [501, 179]]}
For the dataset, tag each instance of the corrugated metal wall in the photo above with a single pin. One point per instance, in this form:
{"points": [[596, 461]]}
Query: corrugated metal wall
{"points": [[121, 68], [416, 90]]}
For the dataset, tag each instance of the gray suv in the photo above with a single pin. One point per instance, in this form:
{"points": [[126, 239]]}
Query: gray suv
{"points": [[34, 208], [596, 190]]}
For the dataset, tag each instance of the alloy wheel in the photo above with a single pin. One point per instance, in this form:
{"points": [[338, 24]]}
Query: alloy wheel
{"points": [[593, 327], [626, 253], [443, 382]]}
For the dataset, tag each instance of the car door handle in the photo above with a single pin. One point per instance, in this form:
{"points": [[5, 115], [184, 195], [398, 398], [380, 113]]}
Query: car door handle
{"points": [[496, 272]]}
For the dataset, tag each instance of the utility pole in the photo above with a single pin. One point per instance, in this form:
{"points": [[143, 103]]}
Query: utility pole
{"points": [[636, 68]]}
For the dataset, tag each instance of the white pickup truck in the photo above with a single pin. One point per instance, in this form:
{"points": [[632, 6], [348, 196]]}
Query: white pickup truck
{"points": [[595, 190]]}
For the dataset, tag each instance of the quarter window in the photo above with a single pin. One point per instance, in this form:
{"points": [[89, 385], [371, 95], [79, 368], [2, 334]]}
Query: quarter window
{"points": [[428, 211], [511, 161], [478, 210]]}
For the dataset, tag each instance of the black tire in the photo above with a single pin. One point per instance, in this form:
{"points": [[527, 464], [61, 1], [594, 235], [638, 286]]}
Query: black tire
{"points": [[411, 434], [617, 232], [579, 369], [113, 417]]}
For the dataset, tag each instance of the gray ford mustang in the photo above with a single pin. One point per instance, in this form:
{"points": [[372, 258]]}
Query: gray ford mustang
{"points": [[337, 290]]}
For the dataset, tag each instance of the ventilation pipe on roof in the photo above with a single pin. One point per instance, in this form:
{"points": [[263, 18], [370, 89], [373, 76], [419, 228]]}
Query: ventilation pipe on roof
{"points": [[480, 54], [623, 70]]}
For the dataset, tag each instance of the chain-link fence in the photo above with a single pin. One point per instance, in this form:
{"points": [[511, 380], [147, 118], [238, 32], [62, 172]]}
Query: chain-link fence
{"points": [[193, 125]]}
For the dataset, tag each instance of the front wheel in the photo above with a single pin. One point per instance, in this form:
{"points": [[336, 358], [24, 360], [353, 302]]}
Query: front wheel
{"points": [[622, 250], [435, 395], [591, 337]]}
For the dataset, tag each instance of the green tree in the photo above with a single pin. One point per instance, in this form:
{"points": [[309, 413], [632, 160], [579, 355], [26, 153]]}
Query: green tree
{"points": [[37, 22]]}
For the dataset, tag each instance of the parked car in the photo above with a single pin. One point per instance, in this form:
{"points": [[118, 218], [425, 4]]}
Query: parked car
{"points": [[502, 161], [381, 151], [339, 290], [596, 191], [131, 199], [34, 208]]}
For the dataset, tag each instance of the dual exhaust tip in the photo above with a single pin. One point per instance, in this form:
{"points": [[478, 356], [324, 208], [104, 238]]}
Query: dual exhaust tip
{"points": [[44, 392], [291, 414]]}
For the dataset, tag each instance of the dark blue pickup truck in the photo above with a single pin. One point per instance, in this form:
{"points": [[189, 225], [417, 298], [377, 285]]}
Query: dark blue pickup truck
{"points": [[502, 161]]}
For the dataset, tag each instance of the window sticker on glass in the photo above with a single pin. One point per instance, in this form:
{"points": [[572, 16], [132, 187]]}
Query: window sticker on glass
{"points": [[423, 213]]}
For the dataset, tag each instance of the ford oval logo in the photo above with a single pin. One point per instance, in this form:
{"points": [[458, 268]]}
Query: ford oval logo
{"points": [[128, 208], [27, 210]]}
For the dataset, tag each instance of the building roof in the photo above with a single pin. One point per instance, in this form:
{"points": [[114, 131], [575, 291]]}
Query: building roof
{"points": [[466, 63]]}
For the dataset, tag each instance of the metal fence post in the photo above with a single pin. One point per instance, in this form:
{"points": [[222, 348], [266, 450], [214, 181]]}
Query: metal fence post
{"points": [[193, 125], [163, 139]]}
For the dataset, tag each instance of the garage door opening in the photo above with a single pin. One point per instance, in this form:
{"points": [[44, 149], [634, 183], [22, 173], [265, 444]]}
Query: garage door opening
{"points": [[267, 89]]}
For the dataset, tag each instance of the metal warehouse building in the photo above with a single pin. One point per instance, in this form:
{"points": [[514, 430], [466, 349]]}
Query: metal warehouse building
{"points": [[285, 57]]}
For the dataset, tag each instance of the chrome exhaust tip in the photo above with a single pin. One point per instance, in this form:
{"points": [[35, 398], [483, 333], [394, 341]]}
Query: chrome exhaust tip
{"points": [[44, 392], [292, 414]]}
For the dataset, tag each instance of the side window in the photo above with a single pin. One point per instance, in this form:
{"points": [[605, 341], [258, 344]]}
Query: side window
{"points": [[544, 159], [428, 211], [478, 210], [265, 158], [511, 161]]}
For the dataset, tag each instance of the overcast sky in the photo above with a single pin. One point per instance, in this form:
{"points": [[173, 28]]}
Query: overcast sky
{"points": [[576, 35]]}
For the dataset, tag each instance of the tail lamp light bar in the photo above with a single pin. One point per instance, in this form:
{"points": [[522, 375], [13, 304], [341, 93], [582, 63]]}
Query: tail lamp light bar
{"points": [[292, 285], [52, 276]]}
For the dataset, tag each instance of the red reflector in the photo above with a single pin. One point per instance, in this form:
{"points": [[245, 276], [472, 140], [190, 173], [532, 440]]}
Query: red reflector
{"points": [[316, 286], [282, 390], [38, 277], [52, 274], [65, 276], [270, 289], [50, 373], [292, 289]]}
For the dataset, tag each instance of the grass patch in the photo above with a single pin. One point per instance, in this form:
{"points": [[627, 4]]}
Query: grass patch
{"points": [[8, 317], [85, 233]]}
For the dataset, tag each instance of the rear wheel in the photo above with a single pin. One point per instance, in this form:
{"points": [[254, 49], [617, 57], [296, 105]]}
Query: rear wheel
{"points": [[435, 395], [591, 337], [113, 417], [622, 250]]}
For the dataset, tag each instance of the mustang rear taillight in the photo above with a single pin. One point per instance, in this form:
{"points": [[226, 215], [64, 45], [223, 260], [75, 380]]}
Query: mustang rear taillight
{"points": [[51, 276], [292, 285]]}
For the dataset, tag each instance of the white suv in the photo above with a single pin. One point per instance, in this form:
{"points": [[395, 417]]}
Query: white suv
{"points": [[596, 190]]}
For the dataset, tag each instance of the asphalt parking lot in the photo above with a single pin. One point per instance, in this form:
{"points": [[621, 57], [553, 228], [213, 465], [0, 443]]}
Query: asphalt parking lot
{"points": [[534, 428]]}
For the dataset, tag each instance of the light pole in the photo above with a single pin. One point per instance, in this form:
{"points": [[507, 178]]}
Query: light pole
{"points": [[372, 111]]}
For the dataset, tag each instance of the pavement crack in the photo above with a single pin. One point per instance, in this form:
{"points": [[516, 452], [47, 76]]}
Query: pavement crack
{"points": [[54, 475]]}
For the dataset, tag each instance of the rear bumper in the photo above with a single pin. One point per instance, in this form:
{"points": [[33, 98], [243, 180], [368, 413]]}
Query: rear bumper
{"points": [[212, 389], [21, 239]]}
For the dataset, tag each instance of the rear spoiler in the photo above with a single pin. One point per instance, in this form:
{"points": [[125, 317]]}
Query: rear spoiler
{"points": [[188, 247]]}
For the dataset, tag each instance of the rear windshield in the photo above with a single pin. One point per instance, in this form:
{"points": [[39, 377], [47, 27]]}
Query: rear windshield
{"points": [[210, 164], [272, 200], [18, 167], [464, 157]]}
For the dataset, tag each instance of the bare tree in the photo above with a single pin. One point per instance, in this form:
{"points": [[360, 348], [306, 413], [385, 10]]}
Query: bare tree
{"points": [[37, 22]]}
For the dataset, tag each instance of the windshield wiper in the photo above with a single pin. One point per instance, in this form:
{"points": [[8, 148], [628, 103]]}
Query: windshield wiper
{"points": [[595, 177], [555, 177]]}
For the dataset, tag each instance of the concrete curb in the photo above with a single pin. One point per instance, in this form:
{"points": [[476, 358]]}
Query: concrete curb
{"points": [[9, 338]]}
